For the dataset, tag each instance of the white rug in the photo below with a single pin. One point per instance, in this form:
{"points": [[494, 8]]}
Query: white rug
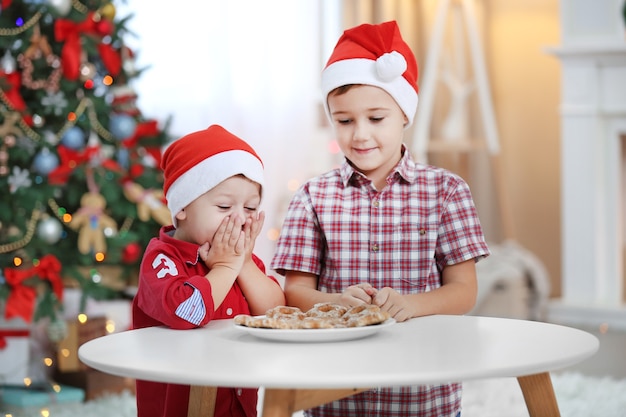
{"points": [[578, 396]]}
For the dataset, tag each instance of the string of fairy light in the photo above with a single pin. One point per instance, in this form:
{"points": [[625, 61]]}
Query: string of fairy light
{"points": [[84, 105]]}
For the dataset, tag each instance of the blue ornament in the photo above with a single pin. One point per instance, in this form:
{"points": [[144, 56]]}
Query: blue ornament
{"points": [[123, 158], [74, 138], [122, 126], [45, 162]]}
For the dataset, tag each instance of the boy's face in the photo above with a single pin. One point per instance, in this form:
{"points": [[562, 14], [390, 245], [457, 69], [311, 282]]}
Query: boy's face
{"points": [[235, 196], [369, 126]]}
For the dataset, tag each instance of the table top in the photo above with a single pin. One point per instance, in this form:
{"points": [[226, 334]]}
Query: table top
{"points": [[432, 349]]}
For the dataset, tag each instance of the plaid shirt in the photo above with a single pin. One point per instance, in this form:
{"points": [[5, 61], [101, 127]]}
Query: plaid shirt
{"points": [[339, 227]]}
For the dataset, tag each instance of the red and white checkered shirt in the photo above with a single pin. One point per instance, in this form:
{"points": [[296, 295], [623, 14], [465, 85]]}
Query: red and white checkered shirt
{"points": [[340, 228]]}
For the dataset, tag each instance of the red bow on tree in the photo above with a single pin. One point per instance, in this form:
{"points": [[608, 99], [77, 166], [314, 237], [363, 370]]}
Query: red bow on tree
{"points": [[21, 300], [148, 128], [71, 159], [12, 93], [70, 31], [145, 129]]}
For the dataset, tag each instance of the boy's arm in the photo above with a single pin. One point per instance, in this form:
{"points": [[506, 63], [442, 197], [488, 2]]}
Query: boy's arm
{"points": [[301, 291], [460, 286], [224, 257], [165, 286], [457, 295], [261, 291]]}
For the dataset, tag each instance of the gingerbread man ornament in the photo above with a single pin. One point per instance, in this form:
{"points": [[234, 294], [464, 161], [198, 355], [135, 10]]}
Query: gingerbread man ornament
{"points": [[90, 221]]}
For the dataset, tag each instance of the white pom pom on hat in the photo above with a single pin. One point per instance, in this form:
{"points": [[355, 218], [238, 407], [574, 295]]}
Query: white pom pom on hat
{"points": [[390, 66], [197, 162], [374, 55]]}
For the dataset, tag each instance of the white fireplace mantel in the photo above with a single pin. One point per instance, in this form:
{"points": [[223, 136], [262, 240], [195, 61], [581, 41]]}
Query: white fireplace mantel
{"points": [[593, 164], [593, 128]]}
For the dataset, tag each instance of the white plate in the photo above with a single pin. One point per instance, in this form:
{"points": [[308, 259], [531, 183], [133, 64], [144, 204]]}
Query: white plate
{"points": [[315, 335]]}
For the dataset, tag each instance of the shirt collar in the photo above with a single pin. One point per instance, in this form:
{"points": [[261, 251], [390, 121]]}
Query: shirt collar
{"points": [[405, 169], [188, 251]]}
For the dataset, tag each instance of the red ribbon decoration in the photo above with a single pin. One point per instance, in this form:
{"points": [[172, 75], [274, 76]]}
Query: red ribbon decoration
{"points": [[71, 159], [21, 300], [12, 94], [149, 128], [69, 32], [14, 81]]}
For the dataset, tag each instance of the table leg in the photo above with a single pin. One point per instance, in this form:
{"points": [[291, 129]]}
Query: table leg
{"points": [[539, 395], [284, 402], [201, 401]]}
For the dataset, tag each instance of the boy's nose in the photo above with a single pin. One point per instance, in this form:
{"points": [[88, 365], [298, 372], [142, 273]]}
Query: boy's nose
{"points": [[239, 212], [360, 131]]}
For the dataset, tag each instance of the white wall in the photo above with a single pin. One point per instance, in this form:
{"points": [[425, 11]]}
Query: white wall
{"points": [[251, 66]]}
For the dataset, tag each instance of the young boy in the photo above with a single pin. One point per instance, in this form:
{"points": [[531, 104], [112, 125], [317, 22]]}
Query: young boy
{"points": [[381, 229], [202, 268]]}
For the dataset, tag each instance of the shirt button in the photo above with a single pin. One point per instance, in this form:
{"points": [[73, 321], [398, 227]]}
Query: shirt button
{"points": [[376, 203], [239, 392], [375, 248], [229, 311]]}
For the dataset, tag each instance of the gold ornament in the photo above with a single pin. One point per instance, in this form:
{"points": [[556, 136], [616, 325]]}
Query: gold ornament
{"points": [[108, 11]]}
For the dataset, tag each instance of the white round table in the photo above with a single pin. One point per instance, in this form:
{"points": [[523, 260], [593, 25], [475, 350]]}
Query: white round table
{"points": [[425, 350]]}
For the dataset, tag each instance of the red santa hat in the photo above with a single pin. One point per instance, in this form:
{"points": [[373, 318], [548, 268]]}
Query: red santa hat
{"points": [[197, 162], [374, 55]]}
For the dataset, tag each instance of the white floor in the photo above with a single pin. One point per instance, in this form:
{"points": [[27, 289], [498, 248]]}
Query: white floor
{"points": [[610, 360]]}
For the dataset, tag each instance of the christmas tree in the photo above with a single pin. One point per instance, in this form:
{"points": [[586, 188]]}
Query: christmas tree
{"points": [[80, 186]]}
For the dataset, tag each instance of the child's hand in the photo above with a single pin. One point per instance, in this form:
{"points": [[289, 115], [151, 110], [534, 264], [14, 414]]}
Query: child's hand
{"points": [[228, 246], [252, 228], [358, 294], [394, 303]]}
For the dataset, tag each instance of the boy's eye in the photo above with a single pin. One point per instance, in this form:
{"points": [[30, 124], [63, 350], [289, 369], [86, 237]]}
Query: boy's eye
{"points": [[251, 208], [343, 121], [376, 119], [223, 207]]}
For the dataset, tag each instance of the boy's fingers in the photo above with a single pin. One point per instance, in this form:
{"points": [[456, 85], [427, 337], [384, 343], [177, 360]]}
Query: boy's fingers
{"points": [[234, 230], [230, 225], [260, 220], [221, 230], [240, 244]]}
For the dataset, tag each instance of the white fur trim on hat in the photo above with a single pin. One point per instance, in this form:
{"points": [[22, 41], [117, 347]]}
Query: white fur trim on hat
{"points": [[205, 175], [386, 73]]}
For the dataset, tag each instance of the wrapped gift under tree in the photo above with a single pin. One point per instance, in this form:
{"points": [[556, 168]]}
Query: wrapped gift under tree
{"points": [[14, 351], [71, 371]]}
